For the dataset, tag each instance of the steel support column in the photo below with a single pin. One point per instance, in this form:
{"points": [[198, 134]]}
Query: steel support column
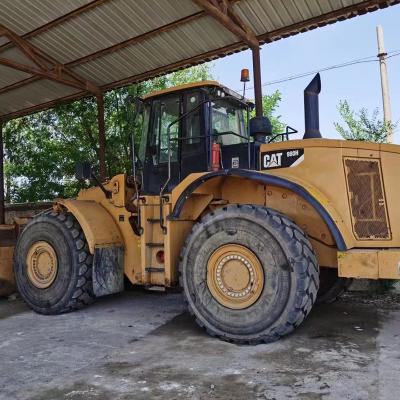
{"points": [[2, 202], [224, 13], [102, 137], [257, 81]]}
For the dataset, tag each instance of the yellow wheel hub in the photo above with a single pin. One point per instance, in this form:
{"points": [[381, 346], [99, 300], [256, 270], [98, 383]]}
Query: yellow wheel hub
{"points": [[235, 276], [42, 264]]}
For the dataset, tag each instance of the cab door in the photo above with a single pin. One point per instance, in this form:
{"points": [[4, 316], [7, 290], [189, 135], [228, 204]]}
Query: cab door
{"points": [[193, 141], [164, 111]]}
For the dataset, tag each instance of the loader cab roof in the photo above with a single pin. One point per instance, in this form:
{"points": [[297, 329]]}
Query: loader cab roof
{"points": [[195, 85]]}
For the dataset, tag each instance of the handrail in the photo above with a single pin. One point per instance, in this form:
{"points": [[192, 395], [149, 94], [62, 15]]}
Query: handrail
{"points": [[284, 135], [184, 115], [162, 190]]}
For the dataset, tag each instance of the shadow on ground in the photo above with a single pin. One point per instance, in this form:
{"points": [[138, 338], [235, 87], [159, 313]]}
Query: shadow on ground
{"points": [[145, 346]]}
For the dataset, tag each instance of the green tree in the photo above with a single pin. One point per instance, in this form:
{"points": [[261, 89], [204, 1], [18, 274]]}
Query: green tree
{"points": [[361, 126], [41, 150]]}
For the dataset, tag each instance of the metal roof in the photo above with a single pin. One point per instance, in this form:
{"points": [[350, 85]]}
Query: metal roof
{"points": [[59, 50]]}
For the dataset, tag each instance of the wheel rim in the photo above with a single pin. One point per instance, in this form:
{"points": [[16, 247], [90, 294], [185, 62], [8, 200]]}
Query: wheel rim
{"points": [[235, 276], [42, 265]]}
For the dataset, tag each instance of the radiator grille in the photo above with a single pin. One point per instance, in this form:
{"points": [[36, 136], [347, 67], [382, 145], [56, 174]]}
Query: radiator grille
{"points": [[367, 199]]}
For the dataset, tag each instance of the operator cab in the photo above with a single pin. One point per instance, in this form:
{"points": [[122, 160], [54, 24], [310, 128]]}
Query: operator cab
{"points": [[190, 120]]}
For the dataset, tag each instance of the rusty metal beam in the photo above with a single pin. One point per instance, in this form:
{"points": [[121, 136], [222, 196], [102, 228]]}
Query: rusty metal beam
{"points": [[26, 49], [2, 200], [47, 66], [43, 74], [223, 12], [102, 137], [66, 17]]}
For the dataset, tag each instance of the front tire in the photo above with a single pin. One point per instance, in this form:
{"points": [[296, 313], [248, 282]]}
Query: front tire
{"points": [[53, 265], [249, 274]]}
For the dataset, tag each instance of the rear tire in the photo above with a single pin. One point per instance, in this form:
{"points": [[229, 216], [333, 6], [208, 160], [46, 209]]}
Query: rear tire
{"points": [[282, 262], [63, 281]]}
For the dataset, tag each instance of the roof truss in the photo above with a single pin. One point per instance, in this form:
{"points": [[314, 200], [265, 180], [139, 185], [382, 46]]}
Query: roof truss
{"points": [[222, 10], [44, 66]]}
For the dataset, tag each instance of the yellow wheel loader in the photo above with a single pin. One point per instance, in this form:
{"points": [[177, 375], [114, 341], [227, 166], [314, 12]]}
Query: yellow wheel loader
{"points": [[250, 225]]}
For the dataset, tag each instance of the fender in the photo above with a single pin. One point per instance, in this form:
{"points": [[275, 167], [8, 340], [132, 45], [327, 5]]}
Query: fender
{"points": [[267, 180], [97, 224]]}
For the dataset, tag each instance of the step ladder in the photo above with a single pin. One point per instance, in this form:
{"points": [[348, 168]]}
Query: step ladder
{"points": [[153, 246]]}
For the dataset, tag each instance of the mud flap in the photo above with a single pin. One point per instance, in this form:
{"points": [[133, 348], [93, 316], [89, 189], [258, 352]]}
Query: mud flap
{"points": [[108, 270]]}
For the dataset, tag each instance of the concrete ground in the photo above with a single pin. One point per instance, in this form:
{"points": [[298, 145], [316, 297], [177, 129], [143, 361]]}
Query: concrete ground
{"points": [[145, 346]]}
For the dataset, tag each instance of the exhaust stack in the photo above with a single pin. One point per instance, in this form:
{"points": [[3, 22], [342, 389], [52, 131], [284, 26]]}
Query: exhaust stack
{"points": [[311, 108]]}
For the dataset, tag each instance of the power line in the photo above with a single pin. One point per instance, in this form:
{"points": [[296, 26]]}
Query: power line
{"points": [[364, 60]]}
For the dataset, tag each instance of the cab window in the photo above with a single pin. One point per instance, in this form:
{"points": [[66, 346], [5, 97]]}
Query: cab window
{"points": [[165, 113], [227, 122]]}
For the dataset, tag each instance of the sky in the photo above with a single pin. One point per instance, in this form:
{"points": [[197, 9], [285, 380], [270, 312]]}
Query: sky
{"points": [[323, 47]]}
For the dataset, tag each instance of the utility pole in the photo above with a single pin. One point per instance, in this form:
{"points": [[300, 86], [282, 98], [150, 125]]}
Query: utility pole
{"points": [[387, 112]]}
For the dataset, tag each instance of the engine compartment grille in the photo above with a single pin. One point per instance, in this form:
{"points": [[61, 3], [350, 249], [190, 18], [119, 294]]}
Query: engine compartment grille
{"points": [[367, 198]]}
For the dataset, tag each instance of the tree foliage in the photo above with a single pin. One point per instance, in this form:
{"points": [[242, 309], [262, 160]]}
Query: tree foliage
{"points": [[361, 126], [41, 150]]}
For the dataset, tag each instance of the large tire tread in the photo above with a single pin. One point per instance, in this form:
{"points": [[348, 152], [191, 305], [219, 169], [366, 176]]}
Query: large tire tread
{"points": [[309, 277], [82, 294]]}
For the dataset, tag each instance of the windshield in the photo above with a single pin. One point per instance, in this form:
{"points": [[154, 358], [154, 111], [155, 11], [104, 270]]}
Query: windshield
{"points": [[227, 122]]}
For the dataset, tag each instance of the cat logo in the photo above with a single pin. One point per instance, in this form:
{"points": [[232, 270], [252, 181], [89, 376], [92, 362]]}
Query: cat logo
{"points": [[273, 160], [282, 158]]}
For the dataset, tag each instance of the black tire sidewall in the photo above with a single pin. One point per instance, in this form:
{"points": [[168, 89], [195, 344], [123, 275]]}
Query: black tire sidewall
{"points": [[267, 239], [52, 230]]}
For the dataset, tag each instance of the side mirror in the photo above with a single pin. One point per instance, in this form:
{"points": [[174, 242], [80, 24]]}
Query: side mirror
{"points": [[251, 105], [83, 171]]}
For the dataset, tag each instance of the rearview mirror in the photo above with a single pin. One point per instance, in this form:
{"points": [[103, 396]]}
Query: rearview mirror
{"points": [[83, 170]]}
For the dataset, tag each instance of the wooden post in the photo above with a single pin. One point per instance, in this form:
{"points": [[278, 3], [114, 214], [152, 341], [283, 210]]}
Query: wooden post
{"points": [[102, 137], [387, 112], [2, 202]]}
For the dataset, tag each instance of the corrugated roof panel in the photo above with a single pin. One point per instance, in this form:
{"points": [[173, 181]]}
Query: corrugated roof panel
{"points": [[100, 24], [107, 25], [269, 15], [9, 76], [166, 48], [23, 16], [35, 93]]}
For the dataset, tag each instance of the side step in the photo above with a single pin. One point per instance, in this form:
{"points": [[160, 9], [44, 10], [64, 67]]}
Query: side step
{"points": [[155, 288], [154, 269], [152, 244]]}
